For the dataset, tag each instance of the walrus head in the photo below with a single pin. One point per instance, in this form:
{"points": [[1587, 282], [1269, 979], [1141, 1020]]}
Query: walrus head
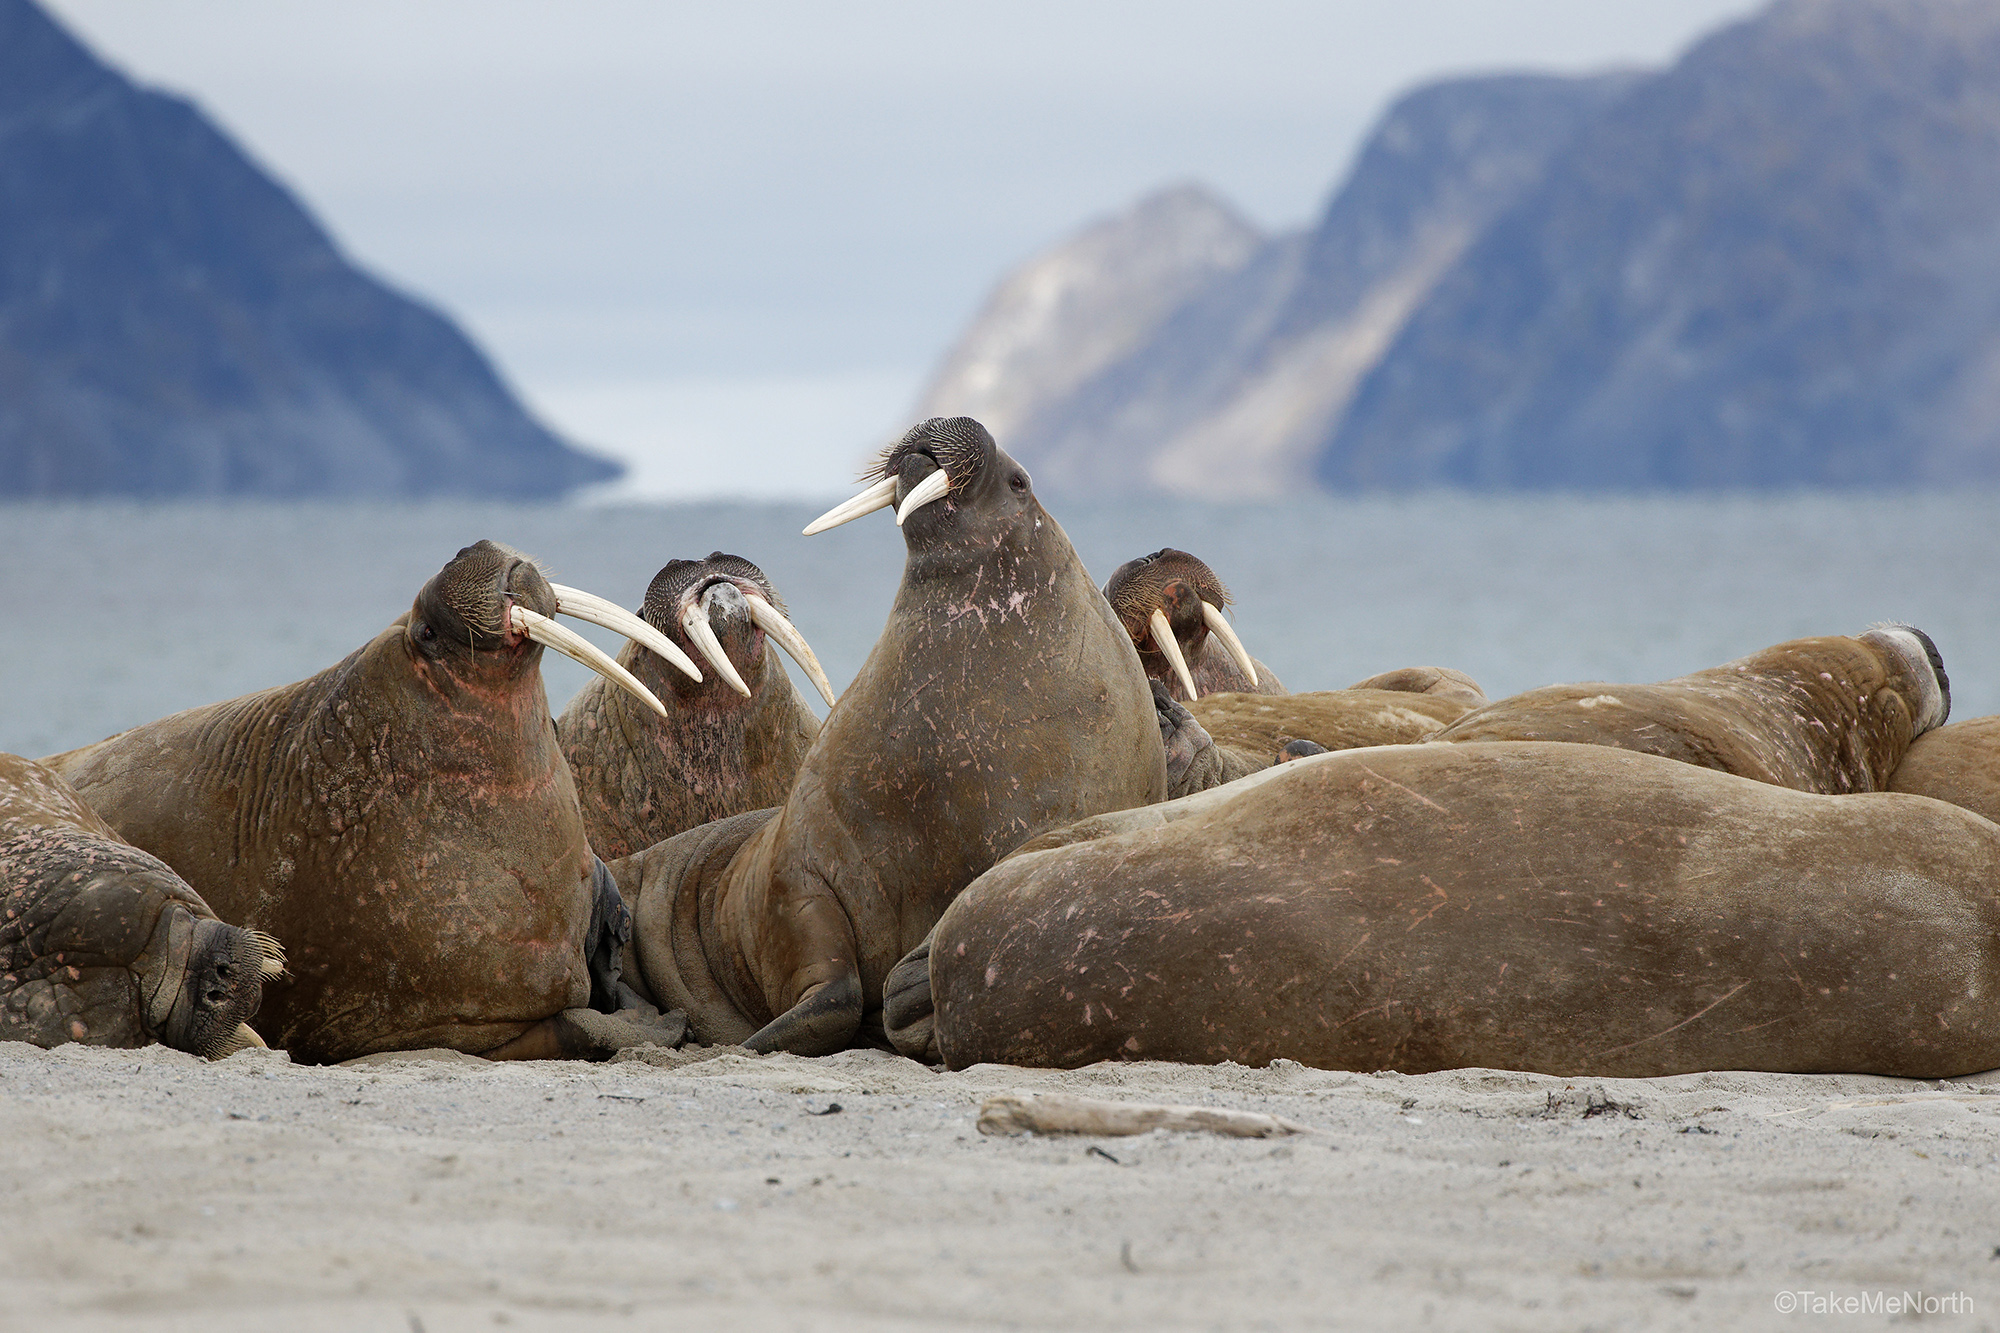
{"points": [[480, 612], [949, 482], [1926, 666], [722, 609], [1170, 602], [203, 982]]}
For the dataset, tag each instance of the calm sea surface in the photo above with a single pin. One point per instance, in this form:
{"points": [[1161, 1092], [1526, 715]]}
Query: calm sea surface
{"points": [[121, 614]]}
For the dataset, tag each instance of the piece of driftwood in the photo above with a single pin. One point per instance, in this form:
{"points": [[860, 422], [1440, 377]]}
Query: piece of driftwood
{"points": [[1058, 1113]]}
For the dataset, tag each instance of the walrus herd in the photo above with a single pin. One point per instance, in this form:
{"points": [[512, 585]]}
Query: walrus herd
{"points": [[1046, 824]]}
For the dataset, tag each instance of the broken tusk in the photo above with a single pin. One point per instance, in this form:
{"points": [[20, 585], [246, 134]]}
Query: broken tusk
{"points": [[574, 646], [930, 488], [702, 635], [1163, 638], [1218, 625], [598, 611], [786, 635], [879, 496]]}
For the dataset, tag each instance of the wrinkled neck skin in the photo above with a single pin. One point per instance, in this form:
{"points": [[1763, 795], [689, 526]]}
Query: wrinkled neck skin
{"points": [[398, 824], [642, 778]]}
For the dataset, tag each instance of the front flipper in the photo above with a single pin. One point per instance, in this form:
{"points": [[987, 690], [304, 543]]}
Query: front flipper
{"points": [[585, 1034], [823, 1022], [908, 1012], [1194, 761]]}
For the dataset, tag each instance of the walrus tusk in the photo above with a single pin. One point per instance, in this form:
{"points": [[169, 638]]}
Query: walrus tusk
{"points": [[930, 488], [242, 1039], [1218, 625], [1059, 1113], [879, 496], [786, 636], [598, 611], [702, 635], [1163, 637], [574, 646]]}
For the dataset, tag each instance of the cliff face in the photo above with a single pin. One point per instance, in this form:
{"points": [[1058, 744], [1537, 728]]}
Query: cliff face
{"points": [[1776, 264], [173, 322]]}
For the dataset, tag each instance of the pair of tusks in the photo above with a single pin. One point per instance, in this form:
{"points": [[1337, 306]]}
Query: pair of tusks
{"points": [[588, 606], [769, 619], [1163, 638], [880, 496]]}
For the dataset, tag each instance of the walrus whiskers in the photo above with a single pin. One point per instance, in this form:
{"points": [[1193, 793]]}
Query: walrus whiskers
{"points": [[1163, 639], [272, 963], [786, 636], [574, 646], [608, 614], [702, 635]]}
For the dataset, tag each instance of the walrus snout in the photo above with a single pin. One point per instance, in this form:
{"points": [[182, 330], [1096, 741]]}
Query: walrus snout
{"points": [[206, 981], [935, 458], [720, 604], [1170, 602], [1926, 667]]}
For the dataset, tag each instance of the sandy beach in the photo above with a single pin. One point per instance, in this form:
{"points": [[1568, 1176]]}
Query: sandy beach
{"points": [[717, 1189]]}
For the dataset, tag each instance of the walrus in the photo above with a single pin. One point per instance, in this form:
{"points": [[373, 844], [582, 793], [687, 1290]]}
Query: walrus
{"points": [[1959, 763], [1171, 604], [101, 943], [1003, 698], [1831, 715], [406, 824], [1575, 910], [1440, 682], [1254, 731], [731, 742]]}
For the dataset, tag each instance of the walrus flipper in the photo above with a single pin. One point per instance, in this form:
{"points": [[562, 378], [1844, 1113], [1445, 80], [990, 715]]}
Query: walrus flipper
{"points": [[908, 1013], [609, 932], [1194, 761], [823, 1022]]}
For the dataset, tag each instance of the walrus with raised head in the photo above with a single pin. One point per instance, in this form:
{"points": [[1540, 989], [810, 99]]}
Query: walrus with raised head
{"points": [[404, 822], [1831, 714], [1171, 605], [734, 734], [101, 943], [1959, 763], [1576, 910], [1003, 698]]}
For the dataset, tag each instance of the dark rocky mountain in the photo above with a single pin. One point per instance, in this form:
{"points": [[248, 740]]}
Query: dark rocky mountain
{"points": [[174, 323], [1776, 264]]}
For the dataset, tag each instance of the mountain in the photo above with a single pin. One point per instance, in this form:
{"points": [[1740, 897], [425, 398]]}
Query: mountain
{"points": [[174, 323], [1086, 303], [1777, 263]]}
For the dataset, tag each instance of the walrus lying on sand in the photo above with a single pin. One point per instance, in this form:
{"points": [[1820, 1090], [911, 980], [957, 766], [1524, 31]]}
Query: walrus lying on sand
{"points": [[1831, 715], [732, 740], [101, 943], [1002, 699], [1170, 603], [404, 822], [1959, 763], [1569, 909]]}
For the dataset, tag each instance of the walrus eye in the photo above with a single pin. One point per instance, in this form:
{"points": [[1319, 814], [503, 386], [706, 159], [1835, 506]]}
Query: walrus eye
{"points": [[425, 633], [1018, 481]]}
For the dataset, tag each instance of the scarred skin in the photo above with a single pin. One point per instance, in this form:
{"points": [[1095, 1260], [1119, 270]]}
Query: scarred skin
{"points": [[101, 943], [1003, 698], [641, 778], [1575, 910], [1959, 763], [1831, 714], [1177, 583], [403, 821]]}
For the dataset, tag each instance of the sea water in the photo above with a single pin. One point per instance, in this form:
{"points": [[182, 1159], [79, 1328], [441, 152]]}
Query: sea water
{"points": [[119, 614]]}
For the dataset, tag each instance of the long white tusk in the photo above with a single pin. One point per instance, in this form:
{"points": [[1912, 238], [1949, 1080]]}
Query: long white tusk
{"points": [[702, 635], [573, 645], [786, 635], [879, 496], [248, 1036], [1218, 625], [930, 488], [1163, 636], [589, 606]]}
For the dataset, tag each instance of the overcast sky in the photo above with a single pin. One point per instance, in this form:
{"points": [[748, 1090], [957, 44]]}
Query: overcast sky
{"points": [[688, 230]]}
